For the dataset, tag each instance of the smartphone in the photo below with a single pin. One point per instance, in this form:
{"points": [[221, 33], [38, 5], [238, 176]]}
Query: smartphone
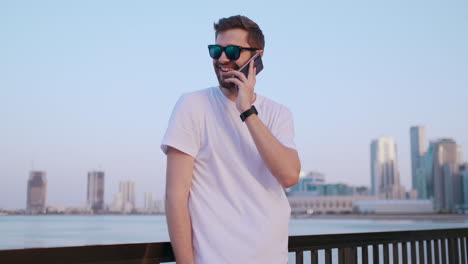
{"points": [[258, 64]]}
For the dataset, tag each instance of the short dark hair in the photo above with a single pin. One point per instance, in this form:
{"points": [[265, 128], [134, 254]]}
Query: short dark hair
{"points": [[255, 36]]}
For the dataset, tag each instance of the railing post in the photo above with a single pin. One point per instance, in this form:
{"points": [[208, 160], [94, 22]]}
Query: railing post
{"points": [[386, 258], [328, 256], [404, 248], [375, 253], [429, 252], [413, 252], [453, 250], [364, 254], [463, 249], [395, 253], [466, 248], [300, 257], [437, 251], [350, 255], [443, 251], [421, 251], [341, 256], [314, 256]]}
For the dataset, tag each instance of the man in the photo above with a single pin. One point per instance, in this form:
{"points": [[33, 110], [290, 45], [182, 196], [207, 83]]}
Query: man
{"points": [[225, 175]]}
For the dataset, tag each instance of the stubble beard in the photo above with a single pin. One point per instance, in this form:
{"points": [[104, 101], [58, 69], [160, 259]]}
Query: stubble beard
{"points": [[221, 80]]}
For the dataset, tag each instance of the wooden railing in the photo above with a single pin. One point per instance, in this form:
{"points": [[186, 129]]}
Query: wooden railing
{"points": [[447, 246]]}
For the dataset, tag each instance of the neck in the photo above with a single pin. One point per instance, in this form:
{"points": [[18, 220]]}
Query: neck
{"points": [[231, 94]]}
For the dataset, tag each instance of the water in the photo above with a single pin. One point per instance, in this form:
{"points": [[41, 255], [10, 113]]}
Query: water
{"points": [[70, 230]]}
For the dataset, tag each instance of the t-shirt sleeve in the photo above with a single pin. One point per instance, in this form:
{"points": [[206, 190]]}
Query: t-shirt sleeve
{"points": [[284, 128], [183, 131]]}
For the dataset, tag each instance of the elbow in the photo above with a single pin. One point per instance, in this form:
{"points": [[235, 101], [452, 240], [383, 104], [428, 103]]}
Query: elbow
{"points": [[290, 181], [292, 177]]}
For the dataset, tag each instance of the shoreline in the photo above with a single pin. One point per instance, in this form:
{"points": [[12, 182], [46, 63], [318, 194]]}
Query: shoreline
{"points": [[431, 217]]}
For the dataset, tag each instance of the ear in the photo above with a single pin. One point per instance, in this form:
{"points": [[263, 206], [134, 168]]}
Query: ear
{"points": [[261, 53]]}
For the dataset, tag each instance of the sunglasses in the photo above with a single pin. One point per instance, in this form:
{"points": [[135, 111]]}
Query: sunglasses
{"points": [[232, 52]]}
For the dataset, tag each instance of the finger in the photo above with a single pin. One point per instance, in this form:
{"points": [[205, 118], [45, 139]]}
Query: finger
{"points": [[236, 81], [239, 75], [251, 69]]}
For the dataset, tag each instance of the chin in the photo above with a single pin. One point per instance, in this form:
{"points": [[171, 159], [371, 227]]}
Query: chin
{"points": [[229, 86]]}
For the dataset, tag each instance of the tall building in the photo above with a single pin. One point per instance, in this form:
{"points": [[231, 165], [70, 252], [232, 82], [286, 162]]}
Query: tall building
{"points": [[127, 188], [95, 193], [36, 192], [385, 177], [445, 174], [428, 170], [464, 179], [117, 205], [149, 202], [418, 149]]}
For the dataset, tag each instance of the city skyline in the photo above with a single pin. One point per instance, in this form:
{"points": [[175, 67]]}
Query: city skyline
{"points": [[92, 85], [436, 164]]}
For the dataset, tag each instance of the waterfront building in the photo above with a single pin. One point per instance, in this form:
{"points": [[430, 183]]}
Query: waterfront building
{"points": [[36, 193], [445, 174], [313, 184], [95, 191], [464, 180], [127, 188], [117, 204], [307, 183], [385, 176], [149, 203], [160, 206], [428, 170], [324, 204], [394, 206], [418, 149]]}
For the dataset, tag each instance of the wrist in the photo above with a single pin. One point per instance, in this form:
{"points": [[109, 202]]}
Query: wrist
{"points": [[248, 113]]}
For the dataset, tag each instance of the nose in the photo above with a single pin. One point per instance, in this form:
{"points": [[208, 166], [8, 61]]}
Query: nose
{"points": [[223, 59]]}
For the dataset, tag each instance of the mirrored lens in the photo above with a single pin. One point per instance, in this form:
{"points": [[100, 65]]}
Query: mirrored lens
{"points": [[232, 52], [215, 51]]}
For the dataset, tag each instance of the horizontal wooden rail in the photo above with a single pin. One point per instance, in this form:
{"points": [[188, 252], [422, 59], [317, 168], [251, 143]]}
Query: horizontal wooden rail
{"points": [[425, 246]]}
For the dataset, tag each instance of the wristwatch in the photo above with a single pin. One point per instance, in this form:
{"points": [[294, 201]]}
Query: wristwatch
{"points": [[248, 113]]}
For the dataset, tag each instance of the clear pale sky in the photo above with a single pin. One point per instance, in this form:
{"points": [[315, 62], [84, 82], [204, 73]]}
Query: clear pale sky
{"points": [[91, 84]]}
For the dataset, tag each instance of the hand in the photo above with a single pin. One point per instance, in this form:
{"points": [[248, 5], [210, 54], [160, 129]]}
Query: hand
{"points": [[246, 86]]}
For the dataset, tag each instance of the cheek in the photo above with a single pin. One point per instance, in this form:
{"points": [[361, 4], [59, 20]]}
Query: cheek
{"points": [[242, 60]]}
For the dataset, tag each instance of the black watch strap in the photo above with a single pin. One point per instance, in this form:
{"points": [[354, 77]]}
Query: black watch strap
{"points": [[248, 113]]}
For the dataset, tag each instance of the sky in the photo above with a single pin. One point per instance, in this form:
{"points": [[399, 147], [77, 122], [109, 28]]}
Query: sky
{"points": [[91, 84]]}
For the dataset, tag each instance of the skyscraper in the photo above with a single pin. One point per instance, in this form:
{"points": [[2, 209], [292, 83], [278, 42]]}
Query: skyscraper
{"points": [[149, 202], [95, 193], [418, 149], [464, 179], [429, 170], [127, 188], [36, 192], [446, 175], [385, 177]]}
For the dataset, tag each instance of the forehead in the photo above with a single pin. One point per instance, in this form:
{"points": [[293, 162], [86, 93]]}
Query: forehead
{"points": [[235, 36]]}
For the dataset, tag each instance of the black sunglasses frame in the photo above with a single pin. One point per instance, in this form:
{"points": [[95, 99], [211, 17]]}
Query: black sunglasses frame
{"points": [[232, 52]]}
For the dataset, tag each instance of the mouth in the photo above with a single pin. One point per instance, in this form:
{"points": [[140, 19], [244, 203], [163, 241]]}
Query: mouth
{"points": [[227, 68]]}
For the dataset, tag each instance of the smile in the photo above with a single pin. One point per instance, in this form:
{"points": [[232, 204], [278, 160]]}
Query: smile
{"points": [[224, 69]]}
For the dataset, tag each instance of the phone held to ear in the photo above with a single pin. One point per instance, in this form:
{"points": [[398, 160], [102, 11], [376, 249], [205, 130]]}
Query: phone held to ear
{"points": [[258, 64]]}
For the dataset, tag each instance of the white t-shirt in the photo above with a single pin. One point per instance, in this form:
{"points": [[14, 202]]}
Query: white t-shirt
{"points": [[239, 211]]}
